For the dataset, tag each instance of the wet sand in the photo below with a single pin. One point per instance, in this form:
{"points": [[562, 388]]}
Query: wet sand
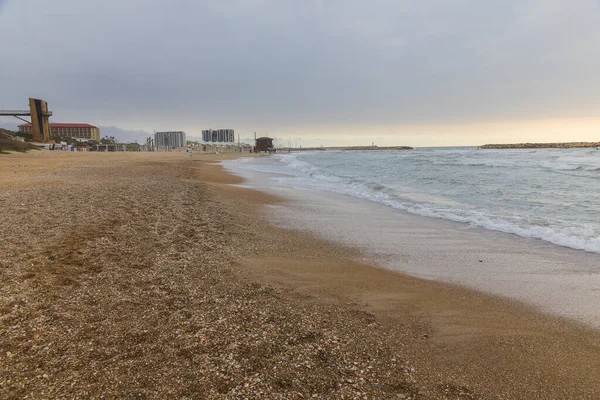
{"points": [[150, 276], [555, 279]]}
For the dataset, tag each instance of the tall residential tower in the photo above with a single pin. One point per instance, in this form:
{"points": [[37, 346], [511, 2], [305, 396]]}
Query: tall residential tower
{"points": [[218, 135], [169, 140]]}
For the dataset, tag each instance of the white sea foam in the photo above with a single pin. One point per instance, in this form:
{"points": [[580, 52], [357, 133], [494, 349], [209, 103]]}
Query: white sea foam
{"points": [[551, 195], [375, 200]]}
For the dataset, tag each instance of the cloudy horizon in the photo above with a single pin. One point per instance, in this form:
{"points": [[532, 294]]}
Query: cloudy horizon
{"points": [[436, 72]]}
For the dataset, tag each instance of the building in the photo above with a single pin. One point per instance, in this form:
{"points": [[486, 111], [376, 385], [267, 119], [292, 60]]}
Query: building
{"points": [[263, 144], [218, 135], [170, 140], [207, 135], [79, 131]]}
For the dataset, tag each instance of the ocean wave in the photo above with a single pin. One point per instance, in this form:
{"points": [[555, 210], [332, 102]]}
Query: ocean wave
{"points": [[369, 179]]}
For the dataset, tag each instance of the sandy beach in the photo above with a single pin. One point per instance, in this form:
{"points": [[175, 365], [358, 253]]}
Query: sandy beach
{"points": [[147, 275]]}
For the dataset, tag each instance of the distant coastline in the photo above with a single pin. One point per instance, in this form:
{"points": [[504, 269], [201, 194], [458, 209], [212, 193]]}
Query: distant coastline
{"points": [[568, 145]]}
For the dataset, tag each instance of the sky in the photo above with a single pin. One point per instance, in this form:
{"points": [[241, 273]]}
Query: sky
{"points": [[314, 72]]}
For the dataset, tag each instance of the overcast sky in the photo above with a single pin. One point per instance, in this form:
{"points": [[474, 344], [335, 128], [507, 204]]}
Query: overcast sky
{"points": [[420, 72]]}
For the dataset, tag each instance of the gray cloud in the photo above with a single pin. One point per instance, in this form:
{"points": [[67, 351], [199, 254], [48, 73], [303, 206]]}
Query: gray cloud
{"points": [[5, 123], [276, 64]]}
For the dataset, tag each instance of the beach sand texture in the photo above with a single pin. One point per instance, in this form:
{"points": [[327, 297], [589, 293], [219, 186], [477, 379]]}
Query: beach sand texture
{"points": [[147, 275]]}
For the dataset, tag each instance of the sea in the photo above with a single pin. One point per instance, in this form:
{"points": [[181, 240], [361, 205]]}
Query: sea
{"points": [[549, 194], [522, 223]]}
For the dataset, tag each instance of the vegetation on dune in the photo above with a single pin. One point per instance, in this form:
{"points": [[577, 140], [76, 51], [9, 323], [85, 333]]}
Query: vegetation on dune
{"points": [[7, 132], [9, 144]]}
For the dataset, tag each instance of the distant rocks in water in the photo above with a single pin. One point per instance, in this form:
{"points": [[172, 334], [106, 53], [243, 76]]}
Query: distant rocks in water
{"points": [[569, 145]]}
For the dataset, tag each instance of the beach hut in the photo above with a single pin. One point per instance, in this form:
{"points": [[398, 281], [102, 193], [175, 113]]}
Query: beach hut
{"points": [[263, 144]]}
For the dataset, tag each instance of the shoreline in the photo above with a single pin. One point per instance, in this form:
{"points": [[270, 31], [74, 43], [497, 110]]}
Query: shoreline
{"points": [[554, 279], [245, 291], [550, 227], [455, 318]]}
